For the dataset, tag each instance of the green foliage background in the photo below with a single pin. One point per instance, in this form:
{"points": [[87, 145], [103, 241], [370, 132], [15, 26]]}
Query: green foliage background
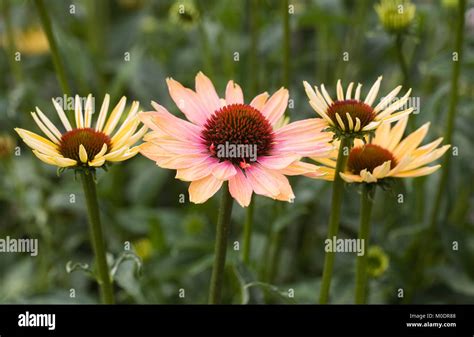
{"points": [[140, 201]]}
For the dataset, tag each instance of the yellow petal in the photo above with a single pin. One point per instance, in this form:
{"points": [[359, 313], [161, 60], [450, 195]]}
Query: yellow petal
{"points": [[37, 142], [102, 151], [115, 116], [49, 124], [44, 128], [103, 113], [62, 115], [82, 154], [65, 162], [88, 112], [78, 112], [44, 158], [418, 172], [97, 162]]}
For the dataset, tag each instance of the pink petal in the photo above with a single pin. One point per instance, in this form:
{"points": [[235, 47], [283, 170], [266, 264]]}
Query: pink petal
{"points": [[277, 162], [198, 171], [276, 106], [201, 190], [286, 192], [262, 181], [171, 125], [188, 102], [205, 89], [240, 189], [233, 93], [224, 170], [174, 146], [259, 101]]}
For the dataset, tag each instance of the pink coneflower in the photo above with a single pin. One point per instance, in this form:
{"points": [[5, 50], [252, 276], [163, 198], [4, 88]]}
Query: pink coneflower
{"points": [[226, 139]]}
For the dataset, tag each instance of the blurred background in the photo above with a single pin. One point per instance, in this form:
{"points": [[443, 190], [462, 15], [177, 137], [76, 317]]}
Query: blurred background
{"points": [[129, 47]]}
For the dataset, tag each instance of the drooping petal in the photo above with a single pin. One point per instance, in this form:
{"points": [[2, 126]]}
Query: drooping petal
{"points": [[240, 189], [224, 170], [201, 190]]}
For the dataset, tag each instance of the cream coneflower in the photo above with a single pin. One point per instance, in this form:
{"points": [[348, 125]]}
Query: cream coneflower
{"points": [[351, 117], [388, 156], [85, 148], [205, 149], [86, 145]]}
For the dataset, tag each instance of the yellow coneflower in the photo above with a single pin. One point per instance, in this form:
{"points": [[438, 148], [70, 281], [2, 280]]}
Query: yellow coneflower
{"points": [[351, 117], [85, 145], [387, 155]]}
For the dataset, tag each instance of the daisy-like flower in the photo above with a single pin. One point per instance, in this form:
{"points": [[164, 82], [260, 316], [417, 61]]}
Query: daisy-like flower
{"points": [[388, 156], [85, 145], [204, 150], [349, 116]]}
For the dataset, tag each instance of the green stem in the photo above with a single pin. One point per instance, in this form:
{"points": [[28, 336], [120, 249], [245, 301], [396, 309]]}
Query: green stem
{"points": [[286, 44], [253, 65], [11, 47], [58, 65], [401, 60], [337, 191], [248, 232], [364, 235], [97, 238], [220, 250]]}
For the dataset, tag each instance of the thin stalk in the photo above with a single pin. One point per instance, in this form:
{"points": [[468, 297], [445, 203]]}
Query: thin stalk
{"points": [[286, 45], [404, 68], [97, 238], [11, 47], [253, 66], [58, 65], [248, 232], [220, 250], [364, 236], [337, 191]]}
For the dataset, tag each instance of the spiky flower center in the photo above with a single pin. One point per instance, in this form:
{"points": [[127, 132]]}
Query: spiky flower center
{"points": [[238, 133], [92, 140], [368, 157], [355, 109]]}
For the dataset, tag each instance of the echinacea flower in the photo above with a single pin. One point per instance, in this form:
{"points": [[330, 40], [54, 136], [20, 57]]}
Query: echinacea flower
{"points": [[350, 117], [85, 145], [388, 156], [205, 149]]}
